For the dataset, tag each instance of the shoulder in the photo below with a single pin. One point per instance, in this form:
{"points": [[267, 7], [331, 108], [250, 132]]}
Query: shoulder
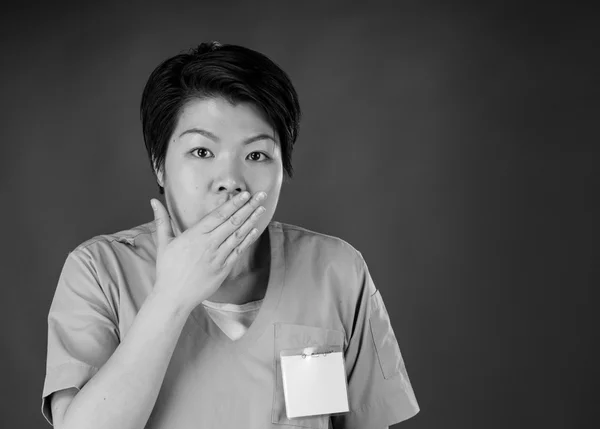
{"points": [[329, 269], [133, 237], [113, 248], [331, 252], [305, 239], [111, 261]]}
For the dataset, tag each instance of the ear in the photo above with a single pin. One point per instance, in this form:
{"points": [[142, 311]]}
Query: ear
{"points": [[160, 176]]}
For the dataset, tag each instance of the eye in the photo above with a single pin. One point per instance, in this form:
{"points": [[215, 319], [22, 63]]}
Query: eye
{"points": [[255, 156], [203, 153]]}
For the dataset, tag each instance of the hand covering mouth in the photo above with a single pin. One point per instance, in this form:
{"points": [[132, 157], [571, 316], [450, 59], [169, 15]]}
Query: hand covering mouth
{"points": [[223, 199]]}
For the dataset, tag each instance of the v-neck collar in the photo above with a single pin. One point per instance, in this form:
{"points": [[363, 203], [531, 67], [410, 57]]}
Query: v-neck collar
{"points": [[269, 304]]}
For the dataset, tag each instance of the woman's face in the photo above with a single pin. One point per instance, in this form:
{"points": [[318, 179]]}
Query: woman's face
{"points": [[217, 151]]}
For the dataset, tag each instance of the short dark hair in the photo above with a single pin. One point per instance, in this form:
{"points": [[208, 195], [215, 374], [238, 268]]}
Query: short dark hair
{"points": [[212, 69]]}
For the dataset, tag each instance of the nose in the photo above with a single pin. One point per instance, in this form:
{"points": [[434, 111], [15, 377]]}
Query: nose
{"points": [[229, 184], [230, 189]]}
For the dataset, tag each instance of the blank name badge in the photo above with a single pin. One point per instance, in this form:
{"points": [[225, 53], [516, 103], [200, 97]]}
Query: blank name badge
{"points": [[314, 381]]}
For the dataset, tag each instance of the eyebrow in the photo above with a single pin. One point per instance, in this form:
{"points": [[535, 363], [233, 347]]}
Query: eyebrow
{"points": [[216, 139]]}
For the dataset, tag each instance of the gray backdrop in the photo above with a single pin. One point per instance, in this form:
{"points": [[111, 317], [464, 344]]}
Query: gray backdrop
{"points": [[452, 144]]}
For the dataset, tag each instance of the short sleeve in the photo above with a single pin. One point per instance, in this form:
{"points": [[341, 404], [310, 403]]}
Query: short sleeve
{"points": [[379, 390], [82, 328]]}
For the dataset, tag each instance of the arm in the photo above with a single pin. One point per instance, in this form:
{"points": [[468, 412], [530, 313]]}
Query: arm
{"points": [[60, 401], [123, 392]]}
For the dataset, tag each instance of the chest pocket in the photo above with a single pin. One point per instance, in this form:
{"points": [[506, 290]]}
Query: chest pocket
{"points": [[289, 336]]}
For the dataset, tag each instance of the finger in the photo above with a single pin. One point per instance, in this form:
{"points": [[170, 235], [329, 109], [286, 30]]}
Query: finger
{"points": [[223, 231], [240, 233], [164, 231], [222, 213], [238, 250]]}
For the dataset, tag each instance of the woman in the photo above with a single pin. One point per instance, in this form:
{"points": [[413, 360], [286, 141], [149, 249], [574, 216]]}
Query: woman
{"points": [[181, 322]]}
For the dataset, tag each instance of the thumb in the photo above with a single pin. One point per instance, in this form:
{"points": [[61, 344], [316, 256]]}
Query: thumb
{"points": [[164, 231]]}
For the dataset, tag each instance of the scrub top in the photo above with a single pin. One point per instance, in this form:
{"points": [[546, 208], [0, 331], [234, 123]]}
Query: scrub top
{"points": [[319, 293]]}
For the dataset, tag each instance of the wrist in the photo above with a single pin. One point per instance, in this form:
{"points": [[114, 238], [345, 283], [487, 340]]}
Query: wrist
{"points": [[170, 302]]}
